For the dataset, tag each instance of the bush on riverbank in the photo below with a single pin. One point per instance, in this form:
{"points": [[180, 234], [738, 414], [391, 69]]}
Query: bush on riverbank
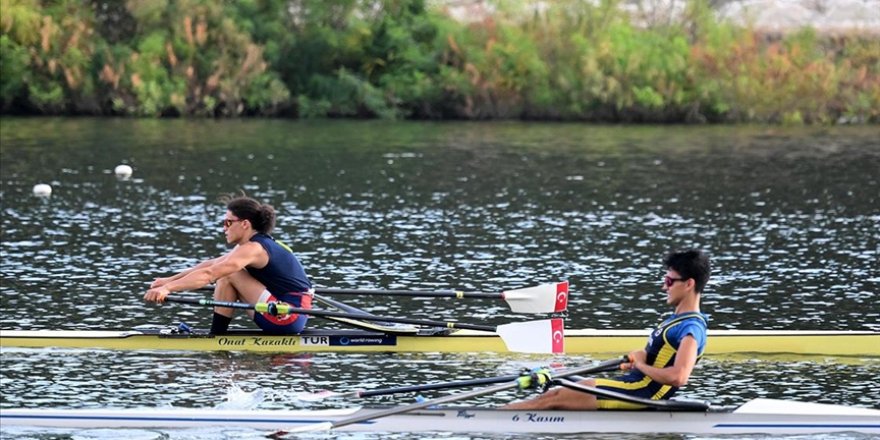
{"points": [[403, 59]]}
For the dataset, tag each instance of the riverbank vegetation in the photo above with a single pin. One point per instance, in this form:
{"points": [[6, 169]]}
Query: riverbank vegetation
{"points": [[573, 61]]}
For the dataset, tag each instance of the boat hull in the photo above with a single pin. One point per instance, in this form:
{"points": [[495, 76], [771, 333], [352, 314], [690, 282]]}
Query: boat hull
{"points": [[805, 419], [586, 341]]}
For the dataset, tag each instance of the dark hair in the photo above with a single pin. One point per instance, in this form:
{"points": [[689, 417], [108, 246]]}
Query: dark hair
{"points": [[691, 263], [261, 215]]}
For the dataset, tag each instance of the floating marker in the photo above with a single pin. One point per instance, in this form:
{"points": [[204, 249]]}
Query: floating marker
{"points": [[42, 190], [123, 171]]}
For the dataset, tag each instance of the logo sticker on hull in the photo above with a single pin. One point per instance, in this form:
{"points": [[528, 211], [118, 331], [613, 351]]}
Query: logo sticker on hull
{"points": [[346, 341]]}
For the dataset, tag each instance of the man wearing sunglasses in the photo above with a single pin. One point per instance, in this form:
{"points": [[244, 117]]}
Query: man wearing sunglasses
{"points": [[257, 270], [673, 348]]}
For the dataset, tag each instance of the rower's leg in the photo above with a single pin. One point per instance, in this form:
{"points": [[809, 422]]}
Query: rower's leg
{"points": [[559, 398], [239, 286]]}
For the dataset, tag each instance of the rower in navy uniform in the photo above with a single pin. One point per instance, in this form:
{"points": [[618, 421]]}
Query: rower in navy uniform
{"points": [[257, 269], [665, 364]]}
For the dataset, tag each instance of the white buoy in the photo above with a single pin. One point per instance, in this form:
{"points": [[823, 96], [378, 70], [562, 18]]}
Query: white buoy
{"points": [[42, 190], [123, 171]]}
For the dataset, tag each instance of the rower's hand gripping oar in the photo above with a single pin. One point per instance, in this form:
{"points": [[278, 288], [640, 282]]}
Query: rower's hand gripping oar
{"points": [[544, 298], [544, 336], [608, 365]]}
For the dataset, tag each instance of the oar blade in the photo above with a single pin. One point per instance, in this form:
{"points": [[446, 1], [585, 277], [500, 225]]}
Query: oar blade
{"points": [[546, 298], [544, 336]]}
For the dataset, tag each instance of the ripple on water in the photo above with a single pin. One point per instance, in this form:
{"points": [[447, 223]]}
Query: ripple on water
{"points": [[791, 225]]}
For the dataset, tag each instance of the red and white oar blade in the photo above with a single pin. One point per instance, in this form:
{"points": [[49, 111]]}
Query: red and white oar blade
{"points": [[546, 298], [545, 336]]}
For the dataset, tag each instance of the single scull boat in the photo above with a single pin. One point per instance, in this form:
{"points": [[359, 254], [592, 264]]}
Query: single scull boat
{"points": [[759, 416], [411, 339]]}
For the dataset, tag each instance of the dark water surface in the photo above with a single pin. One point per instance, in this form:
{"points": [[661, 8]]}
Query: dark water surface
{"points": [[790, 217]]}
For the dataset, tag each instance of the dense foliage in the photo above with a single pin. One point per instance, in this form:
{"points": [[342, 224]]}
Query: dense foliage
{"points": [[574, 60]]}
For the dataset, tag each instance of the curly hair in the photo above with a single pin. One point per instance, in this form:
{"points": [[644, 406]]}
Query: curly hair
{"points": [[261, 215]]}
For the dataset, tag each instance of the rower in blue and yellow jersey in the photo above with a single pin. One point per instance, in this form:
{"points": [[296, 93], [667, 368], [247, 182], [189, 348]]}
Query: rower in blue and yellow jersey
{"points": [[673, 349], [257, 269]]}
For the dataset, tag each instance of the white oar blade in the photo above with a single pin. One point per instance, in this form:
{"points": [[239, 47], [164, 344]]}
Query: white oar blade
{"points": [[546, 298], [545, 336], [316, 397]]}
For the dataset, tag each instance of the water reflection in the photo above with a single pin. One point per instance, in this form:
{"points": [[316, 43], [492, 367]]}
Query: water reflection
{"points": [[464, 207], [790, 217]]}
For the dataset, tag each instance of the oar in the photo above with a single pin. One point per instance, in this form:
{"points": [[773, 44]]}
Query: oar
{"points": [[361, 393], [545, 298], [376, 326], [327, 394], [608, 365], [544, 336]]}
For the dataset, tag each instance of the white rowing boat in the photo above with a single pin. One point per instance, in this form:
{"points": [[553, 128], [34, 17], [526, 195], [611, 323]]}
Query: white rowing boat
{"points": [[759, 416]]}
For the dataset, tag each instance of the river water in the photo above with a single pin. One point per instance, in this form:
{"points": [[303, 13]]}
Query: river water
{"points": [[790, 217]]}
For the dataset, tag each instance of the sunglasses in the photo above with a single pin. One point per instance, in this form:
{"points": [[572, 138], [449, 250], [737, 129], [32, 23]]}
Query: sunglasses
{"points": [[669, 281], [227, 222]]}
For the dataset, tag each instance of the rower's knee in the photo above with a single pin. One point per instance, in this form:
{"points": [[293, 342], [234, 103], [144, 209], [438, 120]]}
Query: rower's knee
{"points": [[222, 284], [224, 290], [240, 286]]}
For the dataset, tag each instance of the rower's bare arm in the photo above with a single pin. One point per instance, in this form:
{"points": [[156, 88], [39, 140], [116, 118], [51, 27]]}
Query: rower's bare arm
{"points": [[228, 264], [159, 282], [678, 374]]}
